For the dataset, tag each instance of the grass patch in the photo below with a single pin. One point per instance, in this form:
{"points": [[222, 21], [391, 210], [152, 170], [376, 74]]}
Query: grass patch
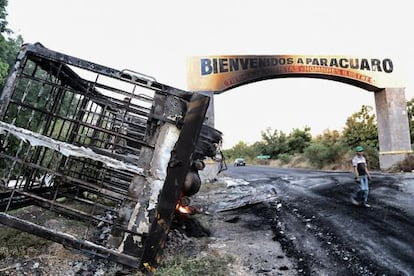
{"points": [[212, 265], [15, 243]]}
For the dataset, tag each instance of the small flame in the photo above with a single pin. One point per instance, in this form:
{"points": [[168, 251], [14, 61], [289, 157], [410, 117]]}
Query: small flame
{"points": [[183, 209]]}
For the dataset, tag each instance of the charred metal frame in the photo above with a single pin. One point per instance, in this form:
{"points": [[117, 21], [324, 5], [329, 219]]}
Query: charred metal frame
{"points": [[108, 149]]}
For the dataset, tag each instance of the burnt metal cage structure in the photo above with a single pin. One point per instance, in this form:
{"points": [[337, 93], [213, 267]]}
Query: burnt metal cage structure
{"points": [[107, 149]]}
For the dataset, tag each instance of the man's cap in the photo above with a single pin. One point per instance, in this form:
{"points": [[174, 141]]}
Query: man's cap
{"points": [[359, 148]]}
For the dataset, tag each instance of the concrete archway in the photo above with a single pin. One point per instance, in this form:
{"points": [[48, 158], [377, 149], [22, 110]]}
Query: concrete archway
{"points": [[213, 75]]}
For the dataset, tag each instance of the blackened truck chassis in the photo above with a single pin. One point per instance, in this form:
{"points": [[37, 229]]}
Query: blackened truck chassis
{"points": [[109, 149]]}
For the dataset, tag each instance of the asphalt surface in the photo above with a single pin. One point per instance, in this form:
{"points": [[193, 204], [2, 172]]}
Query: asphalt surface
{"points": [[319, 227]]}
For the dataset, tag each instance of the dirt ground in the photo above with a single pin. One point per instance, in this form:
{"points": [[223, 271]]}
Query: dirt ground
{"points": [[224, 226], [284, 222], [244, 226], [323, 233]]}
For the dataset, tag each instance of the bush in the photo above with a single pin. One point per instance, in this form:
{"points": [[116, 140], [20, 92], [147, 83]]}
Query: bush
{"points": [[284, 158], [406, 165], [321, 154], [317, 154]]}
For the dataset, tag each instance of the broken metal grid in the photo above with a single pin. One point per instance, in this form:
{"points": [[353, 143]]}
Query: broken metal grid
{"points": [[79, 112], [71, 134]]}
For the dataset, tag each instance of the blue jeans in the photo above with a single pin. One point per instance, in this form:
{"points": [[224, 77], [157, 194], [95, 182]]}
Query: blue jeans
{"points": [[362, 193]]}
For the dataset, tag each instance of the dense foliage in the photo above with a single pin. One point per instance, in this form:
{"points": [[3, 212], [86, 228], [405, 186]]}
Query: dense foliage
{"points": [[328, 150], [3, 15], [360, 128], [8, 46]]}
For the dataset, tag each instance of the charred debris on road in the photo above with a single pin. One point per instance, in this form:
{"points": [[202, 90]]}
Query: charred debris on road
{"points": [[115, 151]]}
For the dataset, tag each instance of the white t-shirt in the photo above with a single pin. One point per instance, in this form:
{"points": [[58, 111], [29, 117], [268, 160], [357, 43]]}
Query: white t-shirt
{"points": [[360, 163]]}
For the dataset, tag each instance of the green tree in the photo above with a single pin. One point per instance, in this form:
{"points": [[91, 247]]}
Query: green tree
{"points": [[8, 46], [3, 15], [298, 140], [328, 137], [241, 149], [361, 128], [238, 150], [275, 142], [258, 148]]}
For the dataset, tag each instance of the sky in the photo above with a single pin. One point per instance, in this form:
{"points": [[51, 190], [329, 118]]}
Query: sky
{"points": [[157, 37]]}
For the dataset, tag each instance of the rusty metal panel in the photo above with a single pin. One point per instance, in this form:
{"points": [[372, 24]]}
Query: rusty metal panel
{"points": [[178, 168], [96, 145]]}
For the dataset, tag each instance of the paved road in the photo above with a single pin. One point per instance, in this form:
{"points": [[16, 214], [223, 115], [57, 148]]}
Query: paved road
{"points": [[328, 235]]}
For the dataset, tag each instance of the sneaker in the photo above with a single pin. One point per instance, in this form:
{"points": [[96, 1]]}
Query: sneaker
{"points": [[366, 205]]}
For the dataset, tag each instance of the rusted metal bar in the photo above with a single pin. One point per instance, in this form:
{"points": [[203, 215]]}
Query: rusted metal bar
{"points": [[78, 123], [177, 170], [69, 240], [77, 181], [11, 82]]}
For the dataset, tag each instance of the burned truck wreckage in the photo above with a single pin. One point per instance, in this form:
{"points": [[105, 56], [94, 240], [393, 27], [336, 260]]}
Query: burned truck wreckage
{"points": [[101, 147]]}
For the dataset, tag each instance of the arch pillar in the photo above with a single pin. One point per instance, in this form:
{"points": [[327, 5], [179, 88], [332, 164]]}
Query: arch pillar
{"points": [[393, 128]]}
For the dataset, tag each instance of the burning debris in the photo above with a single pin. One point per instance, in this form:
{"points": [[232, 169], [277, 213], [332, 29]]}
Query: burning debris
{"points": [[115, 151]]}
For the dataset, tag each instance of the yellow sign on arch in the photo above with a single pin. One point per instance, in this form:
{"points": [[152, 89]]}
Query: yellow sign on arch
{"points": [[220, 73]]}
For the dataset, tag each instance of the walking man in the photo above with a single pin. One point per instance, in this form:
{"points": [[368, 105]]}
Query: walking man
{"points": [[362, 175]]}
